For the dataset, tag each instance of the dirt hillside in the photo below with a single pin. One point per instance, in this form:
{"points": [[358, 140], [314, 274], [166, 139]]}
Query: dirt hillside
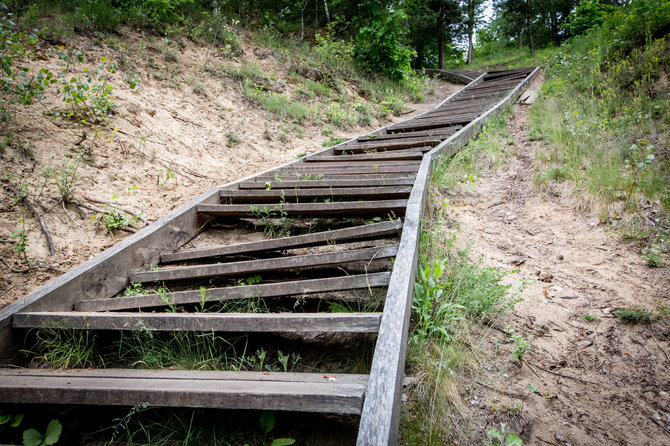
{"points": [[589, 378], [188, 126]]}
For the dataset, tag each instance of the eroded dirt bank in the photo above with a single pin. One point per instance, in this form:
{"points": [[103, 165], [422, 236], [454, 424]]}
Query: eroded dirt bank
{"points": [[596, 382], [187, 127]]}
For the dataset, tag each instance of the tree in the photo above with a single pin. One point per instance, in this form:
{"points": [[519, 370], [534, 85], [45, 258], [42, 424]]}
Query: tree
{"points": [[472, 12]]}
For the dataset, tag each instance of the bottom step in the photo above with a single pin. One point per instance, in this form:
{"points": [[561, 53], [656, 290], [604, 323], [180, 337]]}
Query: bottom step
{"points": [[299, 392]]}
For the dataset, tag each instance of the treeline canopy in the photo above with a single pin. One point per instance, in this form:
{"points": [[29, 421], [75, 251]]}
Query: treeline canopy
{"points": [[387, 36]]}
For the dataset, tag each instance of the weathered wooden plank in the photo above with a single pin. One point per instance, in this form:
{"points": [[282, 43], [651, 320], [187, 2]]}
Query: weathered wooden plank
{"points": [[444, 133], [208, 375], [262, 265], [404, 143], [419, 124], [448, 115], [304, 392], [344, 162], [269, 290], [314, 173], [349, 208], [364, 232], [381, 410], [378, 156], [397, 181], [204, 322], [297, 195]]}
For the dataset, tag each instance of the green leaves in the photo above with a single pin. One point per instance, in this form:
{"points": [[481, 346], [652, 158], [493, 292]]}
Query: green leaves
{"points": [[267, 421], [32, 437]]}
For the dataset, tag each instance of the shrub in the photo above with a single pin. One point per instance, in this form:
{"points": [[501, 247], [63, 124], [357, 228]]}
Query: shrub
{"points": [[380, 46]]}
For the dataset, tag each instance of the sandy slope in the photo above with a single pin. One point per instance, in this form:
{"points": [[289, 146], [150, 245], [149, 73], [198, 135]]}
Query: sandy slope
{"points": [[164, 126], [598, 382]]}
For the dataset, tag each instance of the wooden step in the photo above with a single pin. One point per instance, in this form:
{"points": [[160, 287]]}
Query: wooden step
{"points": [[444, 133], [378, 156], [364, 232], [298, 287], [328, 184], [306, 177], [300, 392], [421, 124], [404, 143], [298, 195], [263, 265], [346, 208], [203, 322]]}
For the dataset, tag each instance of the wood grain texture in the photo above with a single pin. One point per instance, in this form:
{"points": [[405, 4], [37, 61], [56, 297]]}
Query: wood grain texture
{"points": [[346, 208], [204, 322], [364, 232], [397, 181], [298, 195], [298, 287], [309, 392], [263, 265]]}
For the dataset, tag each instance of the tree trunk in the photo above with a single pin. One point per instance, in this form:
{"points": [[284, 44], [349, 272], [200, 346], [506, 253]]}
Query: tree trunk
{"points": [[520, 39], [440, 40], [302, 20], [316, 14], [554, 28], [529, 28], [471, 49], [325, 6]]}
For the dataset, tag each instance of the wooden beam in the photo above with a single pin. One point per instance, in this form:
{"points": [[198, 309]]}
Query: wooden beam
{"points": [[270, 290], [445, 132], [204, 322], [381, 410], [297, 195], [262, 265], [343, 175], [419, 124], [301, 392], [288, 184], [403, 143], [378, 156], [364, 232], [348, 208]]}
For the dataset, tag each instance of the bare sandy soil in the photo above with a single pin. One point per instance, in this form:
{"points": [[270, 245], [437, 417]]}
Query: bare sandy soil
{"points": [[598, 383], [173, 142]]}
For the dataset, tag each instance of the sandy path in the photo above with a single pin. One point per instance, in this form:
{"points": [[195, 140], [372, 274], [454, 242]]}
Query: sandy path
{"points": [[599, 382]]}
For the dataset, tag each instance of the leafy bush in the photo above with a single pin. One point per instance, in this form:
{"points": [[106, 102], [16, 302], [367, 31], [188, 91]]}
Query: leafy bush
{"points": [[380, 46], [588, 15]]}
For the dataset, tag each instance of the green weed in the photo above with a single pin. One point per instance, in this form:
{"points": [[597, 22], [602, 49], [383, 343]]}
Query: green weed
{"points": [[635, 315], [589, 317]]}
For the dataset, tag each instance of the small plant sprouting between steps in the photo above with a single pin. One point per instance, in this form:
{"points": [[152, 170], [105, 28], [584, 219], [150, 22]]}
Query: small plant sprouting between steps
{"points": [[502, 437], [267, 420], [32, 437]]}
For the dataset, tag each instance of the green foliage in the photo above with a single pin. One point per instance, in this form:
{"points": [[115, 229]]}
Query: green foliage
{"points": [[89, 95], [32, 437], [502, 437], [449, 291], [380, 45], [589, 317], [520, 348], [19, 84], [588, 15], [276, 102], [635, 315], [267, 422], [66, 348], [21, 237]]}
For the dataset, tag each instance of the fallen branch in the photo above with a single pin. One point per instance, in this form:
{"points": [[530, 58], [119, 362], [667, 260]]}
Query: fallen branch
{"points": [[12, 269], [659, 424], [562, 375], [40, 216], [79, 204], [138, 216]]}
